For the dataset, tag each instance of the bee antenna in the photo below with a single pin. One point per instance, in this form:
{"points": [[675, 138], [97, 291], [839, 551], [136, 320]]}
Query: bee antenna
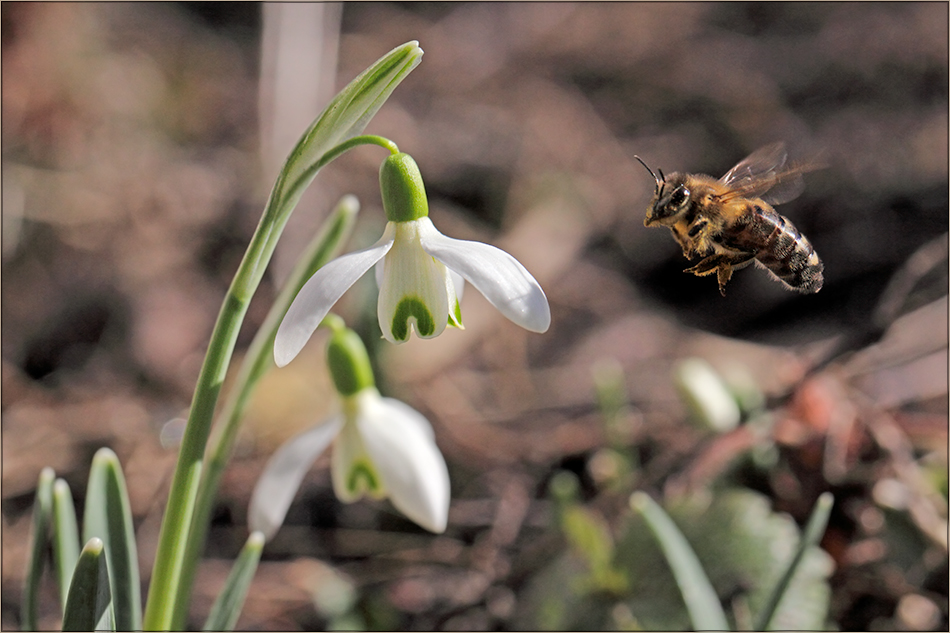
{"points": [[660, 180]]}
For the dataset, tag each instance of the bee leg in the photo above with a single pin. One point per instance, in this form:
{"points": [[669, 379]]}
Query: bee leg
{"points": [[724, 275], [697, 226], [706, 267], [722, 264]]}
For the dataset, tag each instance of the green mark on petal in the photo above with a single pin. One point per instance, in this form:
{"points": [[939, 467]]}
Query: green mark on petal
{"points": [[455, 319], [412, 307], [362, 479]]}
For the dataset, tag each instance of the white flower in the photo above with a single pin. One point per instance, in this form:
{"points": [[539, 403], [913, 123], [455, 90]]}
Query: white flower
{"points": [[382, 448], [420, 273], [417, 289]]}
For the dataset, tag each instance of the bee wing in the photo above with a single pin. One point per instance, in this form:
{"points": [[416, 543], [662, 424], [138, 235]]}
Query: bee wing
{"points": [[759, 165], [785, 187], [764, 171]]}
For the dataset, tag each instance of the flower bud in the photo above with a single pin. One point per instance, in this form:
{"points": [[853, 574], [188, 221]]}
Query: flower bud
{"points": [[402, 190], [349, 363], [709, 399]]}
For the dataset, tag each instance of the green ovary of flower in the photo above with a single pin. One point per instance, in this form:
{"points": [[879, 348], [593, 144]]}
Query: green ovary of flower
{"points": [[402, 190], [349, 363], [412, 308]]}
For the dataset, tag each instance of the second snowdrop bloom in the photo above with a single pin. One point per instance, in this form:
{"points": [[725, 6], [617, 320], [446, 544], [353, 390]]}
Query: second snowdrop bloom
{"points": [[381, 448], [420, 274]]}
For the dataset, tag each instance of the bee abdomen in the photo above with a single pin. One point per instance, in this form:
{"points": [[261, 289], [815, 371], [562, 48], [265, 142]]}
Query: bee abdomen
{"points": [[783, 250]]}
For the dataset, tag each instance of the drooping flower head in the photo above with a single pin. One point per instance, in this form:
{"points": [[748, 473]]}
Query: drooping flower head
{"points": [[381, 448], [420, 274]]}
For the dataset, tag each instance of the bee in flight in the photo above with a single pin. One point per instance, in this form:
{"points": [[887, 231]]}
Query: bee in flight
{"points": [[731, 223]]}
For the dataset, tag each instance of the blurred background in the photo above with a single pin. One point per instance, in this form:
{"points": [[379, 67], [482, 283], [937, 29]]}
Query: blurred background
{"points": [[140, 142]]}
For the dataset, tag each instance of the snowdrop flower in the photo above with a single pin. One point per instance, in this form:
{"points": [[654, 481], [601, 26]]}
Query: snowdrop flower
{"points": [[420, 274], [381, 448]]}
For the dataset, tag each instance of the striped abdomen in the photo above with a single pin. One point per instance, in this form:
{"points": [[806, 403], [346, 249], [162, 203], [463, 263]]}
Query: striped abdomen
{"points": [[779, 247]]}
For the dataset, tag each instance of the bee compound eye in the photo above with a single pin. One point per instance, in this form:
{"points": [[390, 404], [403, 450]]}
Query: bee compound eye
{"points": [[679, 196]]}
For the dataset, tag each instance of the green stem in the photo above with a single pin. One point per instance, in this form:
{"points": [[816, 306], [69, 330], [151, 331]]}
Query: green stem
{"points": [[176, 524], [257, 361], [333, 154], [184, 487]]}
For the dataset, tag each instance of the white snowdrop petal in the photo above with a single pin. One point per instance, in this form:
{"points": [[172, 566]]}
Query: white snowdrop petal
{"points": [[412, 293], [351, 468], [408, 461], [278, 484], [378, 273], [497, 275], [409, 416], [318, 295], [458, 281], [454, 283]]}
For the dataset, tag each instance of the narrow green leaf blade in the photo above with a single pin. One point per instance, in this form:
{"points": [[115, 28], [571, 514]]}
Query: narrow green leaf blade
{"points": [[701, 600], [347, 114], [227, 607], [108, 516], [325, 245], [89, 594], [814, 530], [65, 536], [42, 514]]}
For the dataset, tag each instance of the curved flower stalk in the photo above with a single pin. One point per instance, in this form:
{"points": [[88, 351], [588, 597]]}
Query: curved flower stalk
{"points": [[420, 273], [381, 448]]}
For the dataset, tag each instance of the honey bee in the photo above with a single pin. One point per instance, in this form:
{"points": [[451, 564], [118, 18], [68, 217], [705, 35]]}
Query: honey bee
{"points": [[731, 223]]}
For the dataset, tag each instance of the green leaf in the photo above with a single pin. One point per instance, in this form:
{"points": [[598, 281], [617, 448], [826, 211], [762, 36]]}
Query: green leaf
{"points": [[814, 530], [744, 548], [89, 594], [227, 607], [701, 600], [109, 517], [65, 536], [345, 117], [42, 514]]}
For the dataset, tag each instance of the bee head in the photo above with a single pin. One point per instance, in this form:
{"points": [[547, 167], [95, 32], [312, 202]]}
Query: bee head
{"points": [[669, 198]]}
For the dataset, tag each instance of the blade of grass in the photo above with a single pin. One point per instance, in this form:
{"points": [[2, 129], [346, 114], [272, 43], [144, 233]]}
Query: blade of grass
{"points": [[700, 598], [108, 517], [89, 594], [65, 537], [227, 607], [814, 530], [42, 514]]}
